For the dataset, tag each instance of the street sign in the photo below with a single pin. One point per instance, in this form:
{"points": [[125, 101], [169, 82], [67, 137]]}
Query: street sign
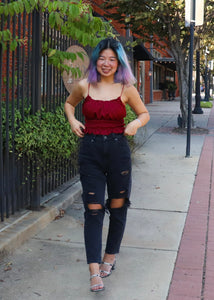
{"points": [[194, 12]]}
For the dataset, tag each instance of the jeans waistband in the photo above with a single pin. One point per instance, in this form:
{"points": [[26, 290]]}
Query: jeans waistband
{"points": [[104, 137]]}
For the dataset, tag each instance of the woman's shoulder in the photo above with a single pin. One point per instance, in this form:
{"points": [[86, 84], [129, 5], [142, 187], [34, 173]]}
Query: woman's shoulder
{"points": [[129, 89], [130, 93], [83, 83], [83, 86]]}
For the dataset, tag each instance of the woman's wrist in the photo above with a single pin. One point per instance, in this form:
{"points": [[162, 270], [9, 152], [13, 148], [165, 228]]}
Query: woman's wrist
{"points": [[71, 119], [139, 121]]}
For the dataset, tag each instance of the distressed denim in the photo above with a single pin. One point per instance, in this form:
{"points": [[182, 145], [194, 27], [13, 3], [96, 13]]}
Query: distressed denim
{"points": [[105, 162]]}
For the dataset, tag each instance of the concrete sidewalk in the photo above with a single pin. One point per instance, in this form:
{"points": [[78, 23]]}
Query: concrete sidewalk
{"points": [[167, 188]]}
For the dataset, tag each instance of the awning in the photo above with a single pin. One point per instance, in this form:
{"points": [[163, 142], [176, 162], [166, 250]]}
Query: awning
{"points": [[168, 62], [141, 53]]}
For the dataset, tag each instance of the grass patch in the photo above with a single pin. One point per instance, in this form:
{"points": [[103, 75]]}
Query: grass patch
{"points": [[206, 104]]}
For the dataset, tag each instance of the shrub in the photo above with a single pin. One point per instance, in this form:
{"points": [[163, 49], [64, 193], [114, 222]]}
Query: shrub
{"points": [[46, 135]]}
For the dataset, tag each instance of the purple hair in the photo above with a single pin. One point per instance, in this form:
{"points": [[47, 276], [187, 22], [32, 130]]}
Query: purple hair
{"points": [[123, 74]]}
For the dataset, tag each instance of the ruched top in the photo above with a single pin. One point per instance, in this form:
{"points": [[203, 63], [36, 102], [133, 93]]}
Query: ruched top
{"points": [[103, 116]]}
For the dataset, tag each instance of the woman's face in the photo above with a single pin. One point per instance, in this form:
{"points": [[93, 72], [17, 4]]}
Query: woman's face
{"points": [[107, 63]]}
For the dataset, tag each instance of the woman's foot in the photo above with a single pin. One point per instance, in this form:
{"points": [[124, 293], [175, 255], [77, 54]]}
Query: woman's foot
{"points": [[96, 283], [107, 265], [95, 278]]}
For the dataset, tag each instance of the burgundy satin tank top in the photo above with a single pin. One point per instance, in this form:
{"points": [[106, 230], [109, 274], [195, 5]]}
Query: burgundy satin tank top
{"points": [[103, 116]]}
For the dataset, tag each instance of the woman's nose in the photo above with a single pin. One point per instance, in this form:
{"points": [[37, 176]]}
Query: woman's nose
{"points": [[106, 62]]}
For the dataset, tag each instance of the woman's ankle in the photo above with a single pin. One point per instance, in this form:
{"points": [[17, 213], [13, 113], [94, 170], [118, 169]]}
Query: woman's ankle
{"points": [[110, 258], [94, 268]]}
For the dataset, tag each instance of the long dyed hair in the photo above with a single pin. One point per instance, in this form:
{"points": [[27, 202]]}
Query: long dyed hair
{"points": [[123, 74]]}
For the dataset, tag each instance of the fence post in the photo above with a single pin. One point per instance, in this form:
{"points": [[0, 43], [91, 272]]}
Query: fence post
{"points": [[36, 95], [1, 144], [36, 60]]}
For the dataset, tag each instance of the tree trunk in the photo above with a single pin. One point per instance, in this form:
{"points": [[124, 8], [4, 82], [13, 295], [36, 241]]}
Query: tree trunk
{"points": [[183, 74], [183, 91]]}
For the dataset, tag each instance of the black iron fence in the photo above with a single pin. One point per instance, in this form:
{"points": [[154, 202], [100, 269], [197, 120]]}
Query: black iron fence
{"points": [[27, 84]]}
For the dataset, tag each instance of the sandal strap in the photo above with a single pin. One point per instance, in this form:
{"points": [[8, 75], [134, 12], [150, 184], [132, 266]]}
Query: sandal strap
{"points": [[106, 272], [94, 275], [106, 263], [95, 285]]}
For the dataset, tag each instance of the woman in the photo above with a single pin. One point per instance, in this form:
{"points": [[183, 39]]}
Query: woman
{"points": [[104, 155]]}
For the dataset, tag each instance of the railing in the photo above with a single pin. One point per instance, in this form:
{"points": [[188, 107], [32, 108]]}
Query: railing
{"points": [[28, 81]]}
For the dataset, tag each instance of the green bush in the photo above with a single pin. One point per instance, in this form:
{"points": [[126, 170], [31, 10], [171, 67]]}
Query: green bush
{"points": [[46, 135], [130, 116], [206, 104]]}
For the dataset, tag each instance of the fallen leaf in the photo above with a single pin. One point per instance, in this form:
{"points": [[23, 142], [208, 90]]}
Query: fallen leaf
{"points": [[8, 267], [61, 214]]}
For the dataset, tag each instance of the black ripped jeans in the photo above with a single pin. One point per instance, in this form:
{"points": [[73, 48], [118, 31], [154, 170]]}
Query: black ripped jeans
{"points": [[104, 161]]}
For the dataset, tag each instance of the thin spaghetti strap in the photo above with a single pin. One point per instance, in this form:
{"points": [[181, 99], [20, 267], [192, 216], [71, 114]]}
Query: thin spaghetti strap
{"points": [[122, 90], [88, 88]]}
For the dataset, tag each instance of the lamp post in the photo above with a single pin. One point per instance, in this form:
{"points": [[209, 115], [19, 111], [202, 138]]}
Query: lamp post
{"points": [[206, 98], [194, 16]]}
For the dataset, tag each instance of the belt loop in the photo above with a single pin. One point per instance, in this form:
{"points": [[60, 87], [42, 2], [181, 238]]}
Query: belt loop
{"points": [[93, 138]]}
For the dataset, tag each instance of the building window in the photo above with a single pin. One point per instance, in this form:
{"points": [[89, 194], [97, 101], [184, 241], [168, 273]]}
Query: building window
{"points": [[169, 75], [156, 77], [156, 54]]}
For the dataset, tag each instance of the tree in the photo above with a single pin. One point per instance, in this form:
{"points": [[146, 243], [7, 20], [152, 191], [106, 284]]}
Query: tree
{"points": [[164, 20], [71, 18]]}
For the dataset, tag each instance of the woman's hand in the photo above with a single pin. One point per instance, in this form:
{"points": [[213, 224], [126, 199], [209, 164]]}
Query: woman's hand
{"points": [[77, 127], [132, 127]]}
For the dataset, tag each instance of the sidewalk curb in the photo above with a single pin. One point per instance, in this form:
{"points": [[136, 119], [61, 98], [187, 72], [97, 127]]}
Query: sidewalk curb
{"points": [[31, 222]]}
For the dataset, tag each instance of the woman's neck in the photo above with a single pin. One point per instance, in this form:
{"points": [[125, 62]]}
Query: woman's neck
{"points": [[107, 80]]}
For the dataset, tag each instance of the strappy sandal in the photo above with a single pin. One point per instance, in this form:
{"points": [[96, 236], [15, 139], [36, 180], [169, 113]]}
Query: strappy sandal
{"points": [[100, 285], [103, 273]]}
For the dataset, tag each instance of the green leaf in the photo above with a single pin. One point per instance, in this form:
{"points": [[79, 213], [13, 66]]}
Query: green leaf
{"points": [[11, 9], [6, 10], [52, 19], [13, 45], [45, 3], [64, 7], [19, 6], [6, 35], [27, 6], [50, 7], [52, 52], [74, 10], [55, 5], [58, 19], [81, 55]]}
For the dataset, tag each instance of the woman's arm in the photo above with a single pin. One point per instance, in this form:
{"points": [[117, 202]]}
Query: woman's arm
{"points": [[73, 99], [132, 98]]}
